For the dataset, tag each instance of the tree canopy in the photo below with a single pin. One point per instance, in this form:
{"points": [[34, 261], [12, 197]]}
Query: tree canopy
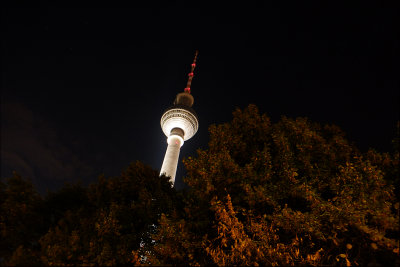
{"points": [[286, 193]]}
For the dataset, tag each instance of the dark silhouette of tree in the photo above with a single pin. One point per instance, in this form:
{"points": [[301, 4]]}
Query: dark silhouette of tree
{"points": [[115, 226], [21, 219], [287, 193], [109, 223]]}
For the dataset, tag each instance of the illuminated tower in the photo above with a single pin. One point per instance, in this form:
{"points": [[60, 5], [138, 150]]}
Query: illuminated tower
{"points": [[179, 123]]}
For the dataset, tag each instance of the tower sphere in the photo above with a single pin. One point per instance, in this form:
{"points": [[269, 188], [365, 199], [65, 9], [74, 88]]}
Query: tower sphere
{"points": [[181, 117]]}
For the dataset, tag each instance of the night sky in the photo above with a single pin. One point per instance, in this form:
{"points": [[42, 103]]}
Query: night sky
{"points": [[83, 90]]}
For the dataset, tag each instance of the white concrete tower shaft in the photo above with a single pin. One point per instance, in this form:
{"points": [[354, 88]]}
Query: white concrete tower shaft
{"points": [[171, 157], [179, 123]]}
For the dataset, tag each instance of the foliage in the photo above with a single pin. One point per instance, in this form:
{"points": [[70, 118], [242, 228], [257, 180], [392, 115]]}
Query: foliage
{"points": [[108, 223], [287, 193], [295, 193], [21, 221]]}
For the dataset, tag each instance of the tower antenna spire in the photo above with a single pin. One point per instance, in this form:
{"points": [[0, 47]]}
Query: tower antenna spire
{"points": [[189, 82]]}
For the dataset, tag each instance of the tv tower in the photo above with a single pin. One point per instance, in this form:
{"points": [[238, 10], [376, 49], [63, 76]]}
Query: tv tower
{"points": [[179, 123]]}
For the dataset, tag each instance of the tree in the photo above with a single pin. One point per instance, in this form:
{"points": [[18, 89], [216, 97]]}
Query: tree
{"points": [[286, 193], [21, 220], [293, 192], [115, 225]]}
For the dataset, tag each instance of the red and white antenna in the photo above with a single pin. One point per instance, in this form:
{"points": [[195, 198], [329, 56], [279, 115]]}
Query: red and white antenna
{"points": [[189, 83]]}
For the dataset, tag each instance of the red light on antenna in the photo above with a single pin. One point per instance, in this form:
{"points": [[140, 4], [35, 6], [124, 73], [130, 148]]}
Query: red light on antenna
{"points": [[191, 74], [193, 65], [187, 89]]}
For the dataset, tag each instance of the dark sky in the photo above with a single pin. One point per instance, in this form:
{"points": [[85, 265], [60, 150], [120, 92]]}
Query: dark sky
{"points": [[83, 90]]}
